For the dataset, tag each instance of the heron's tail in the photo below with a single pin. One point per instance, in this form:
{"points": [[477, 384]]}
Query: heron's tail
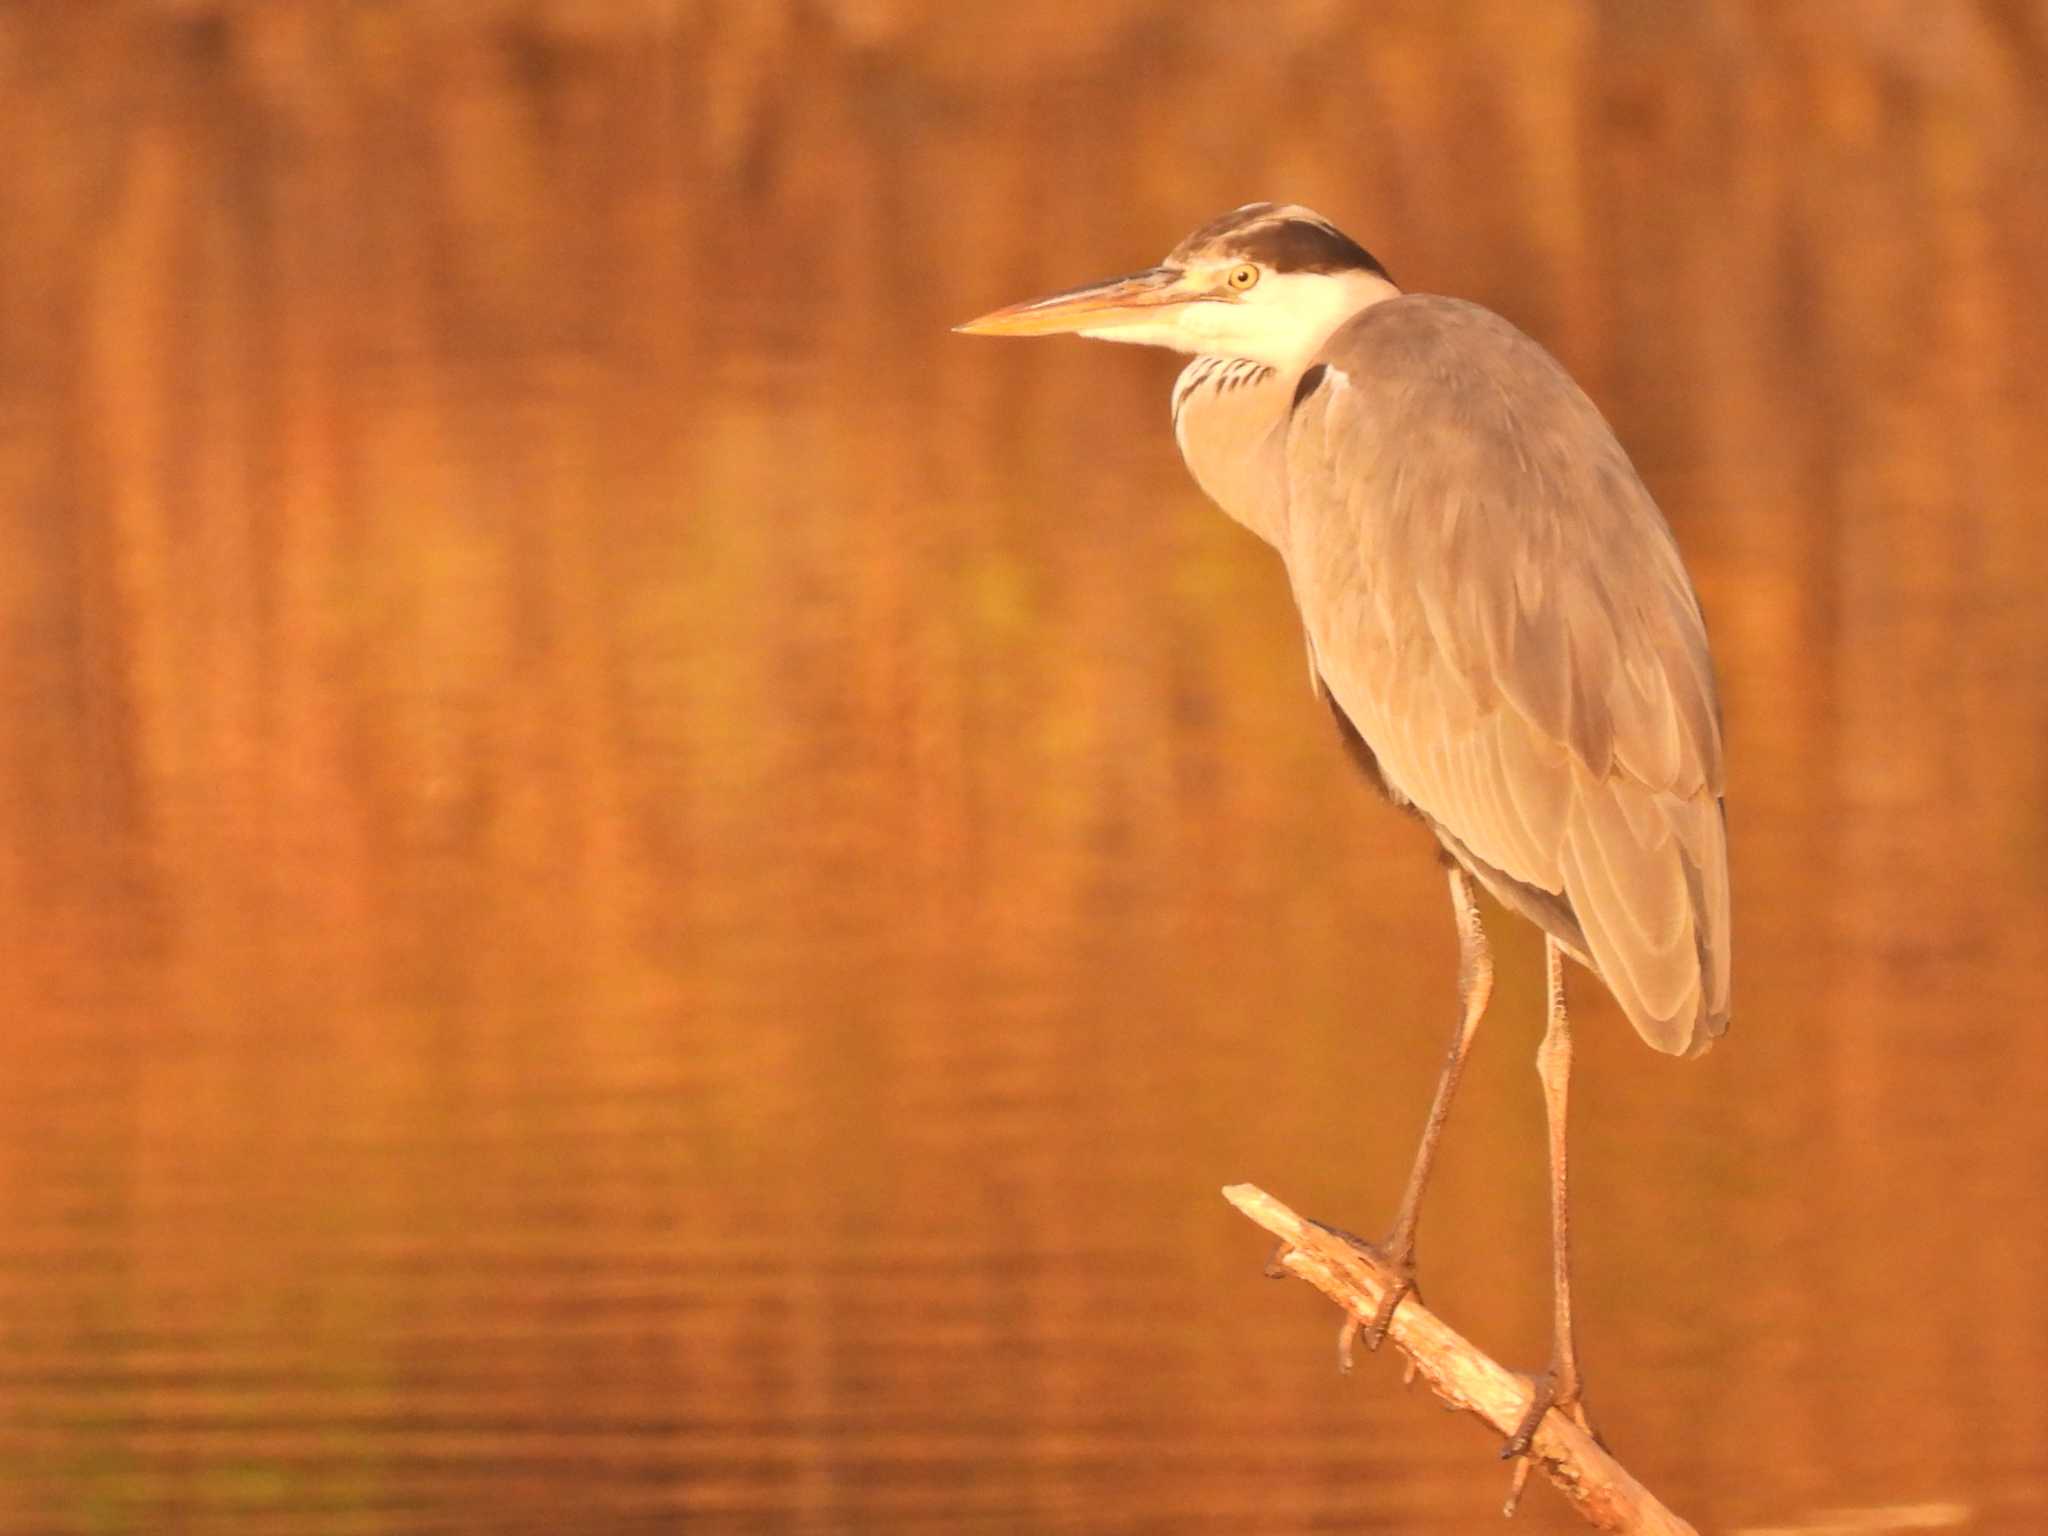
{"points": [[1647, 877]]}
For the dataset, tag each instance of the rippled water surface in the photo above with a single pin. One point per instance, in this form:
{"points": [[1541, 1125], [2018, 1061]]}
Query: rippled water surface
{"points": [[639, 891]]}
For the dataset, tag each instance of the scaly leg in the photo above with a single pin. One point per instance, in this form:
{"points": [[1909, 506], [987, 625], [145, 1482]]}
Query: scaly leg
{"points": [[1475, 986], [1558, 1387]]}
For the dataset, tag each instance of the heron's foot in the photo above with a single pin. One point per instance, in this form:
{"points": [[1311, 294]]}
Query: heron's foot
{"points": [[1555, 1388], [1397, 1257]]}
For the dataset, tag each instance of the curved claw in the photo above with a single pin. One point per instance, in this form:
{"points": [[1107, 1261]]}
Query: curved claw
{"points": [[1550, 1393], [1400, 1286], [1517, 1444]]}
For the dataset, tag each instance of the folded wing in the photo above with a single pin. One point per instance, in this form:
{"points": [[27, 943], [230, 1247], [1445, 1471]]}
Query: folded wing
{"points": [[1500, 610]]}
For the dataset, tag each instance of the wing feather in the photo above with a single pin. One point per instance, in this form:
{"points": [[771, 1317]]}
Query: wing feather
{"points": [[1499, 609]]}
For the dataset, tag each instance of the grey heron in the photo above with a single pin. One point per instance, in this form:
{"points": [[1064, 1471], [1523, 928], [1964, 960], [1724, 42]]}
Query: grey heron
{"points": [[1496, 614]]}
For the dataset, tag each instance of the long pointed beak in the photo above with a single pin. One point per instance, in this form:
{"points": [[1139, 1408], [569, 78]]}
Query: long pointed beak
{"points": [[1092, 307]]}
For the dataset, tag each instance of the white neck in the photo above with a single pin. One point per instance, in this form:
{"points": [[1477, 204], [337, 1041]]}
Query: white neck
{"points": [[1230, 419], [1232, 403]]}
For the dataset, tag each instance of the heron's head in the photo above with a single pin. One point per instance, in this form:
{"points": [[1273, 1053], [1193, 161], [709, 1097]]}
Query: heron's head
{"points": [[1264, 282]]}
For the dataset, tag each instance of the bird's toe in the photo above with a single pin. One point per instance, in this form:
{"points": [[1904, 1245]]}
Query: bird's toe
{"points": [[1554, 1388], [1397, 1260]]}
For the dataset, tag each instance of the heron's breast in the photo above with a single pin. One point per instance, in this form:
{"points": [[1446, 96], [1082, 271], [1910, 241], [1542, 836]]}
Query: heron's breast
{"points": [[1229, 417]]}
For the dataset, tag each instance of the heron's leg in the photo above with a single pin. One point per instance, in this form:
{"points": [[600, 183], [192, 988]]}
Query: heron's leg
{"points": [[1558, 1387], [1475, 986]]}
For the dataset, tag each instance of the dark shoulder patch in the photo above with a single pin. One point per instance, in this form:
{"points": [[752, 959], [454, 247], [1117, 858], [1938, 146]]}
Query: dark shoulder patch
{"points": [[1306, 385], [1303, 245]]}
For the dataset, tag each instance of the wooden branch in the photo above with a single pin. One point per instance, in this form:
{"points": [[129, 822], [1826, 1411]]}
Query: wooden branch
{"points": [[1598, 1486]]}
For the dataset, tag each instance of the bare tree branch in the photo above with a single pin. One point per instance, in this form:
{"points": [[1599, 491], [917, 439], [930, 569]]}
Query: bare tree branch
{"points": [[1598, 1486]]}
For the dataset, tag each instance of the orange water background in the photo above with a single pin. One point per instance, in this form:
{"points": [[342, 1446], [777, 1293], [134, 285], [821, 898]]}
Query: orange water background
{"points": [[639, 891]]}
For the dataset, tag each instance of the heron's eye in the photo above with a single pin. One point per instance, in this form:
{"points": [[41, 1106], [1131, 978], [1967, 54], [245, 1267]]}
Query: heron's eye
{"points": [[1243, 277]]}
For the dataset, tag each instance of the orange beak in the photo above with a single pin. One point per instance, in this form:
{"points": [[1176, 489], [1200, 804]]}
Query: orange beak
{"points": [[1094, 307]]}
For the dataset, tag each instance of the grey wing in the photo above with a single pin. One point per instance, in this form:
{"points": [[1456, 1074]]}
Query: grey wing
{"points": [[1500, 610]]}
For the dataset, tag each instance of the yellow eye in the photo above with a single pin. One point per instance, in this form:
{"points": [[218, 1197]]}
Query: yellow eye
{"points": [[1243, 277]]}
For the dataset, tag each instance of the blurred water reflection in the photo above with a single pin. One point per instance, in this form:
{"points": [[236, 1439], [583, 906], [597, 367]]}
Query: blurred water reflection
{"points": [[638, 889]]}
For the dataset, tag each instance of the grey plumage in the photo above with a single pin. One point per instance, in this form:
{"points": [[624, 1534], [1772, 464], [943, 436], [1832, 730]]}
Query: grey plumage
{"points": [[1491, 596], [1499, 608], [1496, 613]]}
